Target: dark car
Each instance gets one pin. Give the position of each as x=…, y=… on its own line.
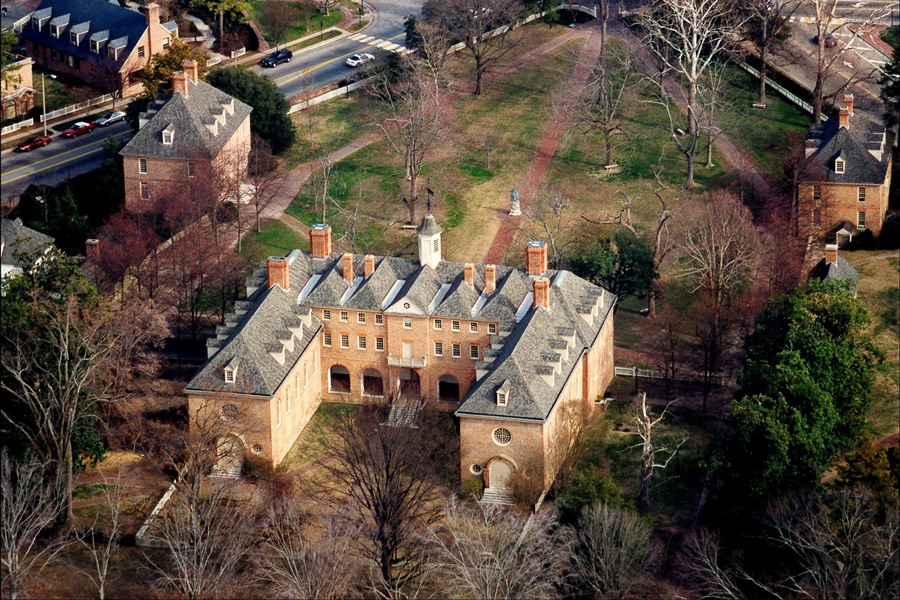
x=830, y=41
x=277, y=57
x=35, y=142
x=78, y=129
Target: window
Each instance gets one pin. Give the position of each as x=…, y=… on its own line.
x=53, y=55
x=438, y=325
x=168, y=137
x=379, y=319
x=145, y=190
x=345, y=341
x=861, y=194
x=297, y=384
x=142, y=166
x=326, y=339
x=473, y=327
x=229, y=374
x=165, y=43
x=437, y=245
x=361, y=342
x=141, y=52
x=839, y=165
x=287, y=408
x=345, y=317
x=379, y=344
x=407, y=323
x=192, y=169
x=438, y=348
x=457, y=350
x=502, y=436
x=361, y=318
x=817, y=217
x=492, y=328
x=454, y=325
x=473, y=352
x=502, y=397
x=73, y=37
x=326, y=315
x=278, y=412
x=95, y=46
x=861, y=220
x=314, y=359
x=229, y=413
x=305, y=375
x=73, y=62
x=54, y=30
x=476, y=469
x=817, y=192
x=256, y=449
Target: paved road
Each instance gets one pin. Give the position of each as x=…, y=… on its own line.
x=60, y=160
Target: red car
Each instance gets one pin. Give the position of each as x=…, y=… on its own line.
x=35, y=142
x=77, y=129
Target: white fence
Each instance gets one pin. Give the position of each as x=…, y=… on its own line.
x=17, y=126
x=65, y=110
x=653, y=374
x=237, y=53
x=141, y=538
x=213, y=61
x=328, y=96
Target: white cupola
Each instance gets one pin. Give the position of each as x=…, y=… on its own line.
x=429, y=242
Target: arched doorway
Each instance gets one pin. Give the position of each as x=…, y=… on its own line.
x=500, y=474
x=338, y=380
x=230, y=457
x=372, y=383
x=448, y=388
x=408, y=384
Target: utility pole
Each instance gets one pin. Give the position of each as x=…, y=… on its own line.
x=43, y=105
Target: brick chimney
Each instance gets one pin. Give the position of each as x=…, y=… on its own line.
x=490, y=279
x=536, y=258
x=368, y=265
x=92, y=249
x=347, y=267
x=179, y=83
x=152, y=14
x=541, y=288
x=848, y=102
x=191, y=68
x=844, y=117
x=469, y=274
x=277, y=271
x=320, y=240
x=831, y=253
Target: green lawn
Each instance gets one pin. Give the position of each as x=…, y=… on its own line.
x=329, y=126
x=299, y=27
x=275, y=239
x=309, y=444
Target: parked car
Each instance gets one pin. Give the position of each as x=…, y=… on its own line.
x=110, y=118
x=35, y=142
x=78, y=129
x=277, y=57
x=830, y=41
x=359, y=59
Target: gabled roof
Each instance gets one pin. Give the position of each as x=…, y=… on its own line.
x=835, y=271
x=189, y=116
x=18, y=243
x=850, y=144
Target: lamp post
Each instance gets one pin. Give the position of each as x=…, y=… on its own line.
x=43, y=105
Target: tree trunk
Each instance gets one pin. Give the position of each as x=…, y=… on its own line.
x=763, y=71
x=651, y=302
x=66, y=515
x=221, y=30
x=479, y=73
x=818, y=97
x=643, y=497
x=607, y=135
x=690, y=169
x=693, y=131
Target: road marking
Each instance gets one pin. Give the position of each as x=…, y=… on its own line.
x=53, y=166
x=367, y=39
x=391, y=46
x=357, y=36
x=61, y=154
x=289, y=78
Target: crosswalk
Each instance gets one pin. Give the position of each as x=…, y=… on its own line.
x=369, y=40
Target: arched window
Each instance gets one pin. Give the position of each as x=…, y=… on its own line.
x=338, y=380
x=448, y=388
x=372, y=383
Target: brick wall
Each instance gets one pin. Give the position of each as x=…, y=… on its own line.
x=477, y=447
x=838, y=203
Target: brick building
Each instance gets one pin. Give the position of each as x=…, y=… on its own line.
x=847, y=177
x=520, y=355
x=98, y=42
x=192, y=135
x=17, y=96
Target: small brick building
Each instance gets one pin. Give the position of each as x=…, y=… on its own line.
x=17, y=96
x=191, y=135
x=98, y=42
x=847, y=177
x=519, y=355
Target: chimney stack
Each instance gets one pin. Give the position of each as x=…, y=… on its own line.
x=277, y=271
x=490, y=279
x=320, y=240
x=844, y=117
x=848, y=102
x=347, y=267
x=191, y=69
x=152, y=14
x=368, y=265
x=831, y=253
x=179, y=83
x=469, y=274
x=536, y=258
x=92, y=249
x=541, y=288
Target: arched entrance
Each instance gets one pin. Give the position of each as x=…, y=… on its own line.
x=230, y=457
x=448, y=388
x=408, y=384
x=500, y=475
x=339, y=380
x=372, y=383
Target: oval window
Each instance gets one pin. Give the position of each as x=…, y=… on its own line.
x=502, y=436
x=476, y=469
x=256, y=449
x=229, y=413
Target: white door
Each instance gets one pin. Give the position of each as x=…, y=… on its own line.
x=407, y=349
x=501, y=475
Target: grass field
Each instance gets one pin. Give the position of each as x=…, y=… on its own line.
x=299, y=27
x=275, y=239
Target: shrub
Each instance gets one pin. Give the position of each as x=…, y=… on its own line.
x=589, y=486
x=473, y=487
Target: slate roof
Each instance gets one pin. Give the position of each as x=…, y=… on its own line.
x=17, y=239
x=836, y=271
x=189, y=116
x=93, y=16
x=851, y=144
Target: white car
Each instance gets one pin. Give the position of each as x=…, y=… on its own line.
x=110, y=118
x=359, y=59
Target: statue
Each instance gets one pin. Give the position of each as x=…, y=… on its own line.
x=514, y=209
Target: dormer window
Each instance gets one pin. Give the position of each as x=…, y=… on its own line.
x=168, y=134
x=230, y=372
x=55, y=30
x=502, y=398
x=73, y=37
x=839, y=165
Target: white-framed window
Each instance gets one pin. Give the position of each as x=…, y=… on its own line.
x=817, y=192
x=476, y=469
x=361, y=318
x=165, y=43
x=438, y=325
x=192, y=169
x=379, y=319
x=229, y=374
x=256, y=449
x=73, y=37
x=438, y=348
x=839, y=165
x=326, y=314
x=305, y=375
x=407, y=323
x=95, y=46
x=145, y=190
x=473, y=352
x=141, y=52
x=502, y=436
x=70, y=60
x=168, y=137
x=473, y=327
x=297, y=384
x=278, y=412
x=345, y=340
x=502, y=397
x=345, y=316
x=142, y=166
x=228, y=413
x=287, y=407
x=379, y=344
x=456, y=349
x=361, y=342
x=454, y=325
x=437, y=245
x=492, y=328
x=861, y=220
x=326, y=339
x=861, y=194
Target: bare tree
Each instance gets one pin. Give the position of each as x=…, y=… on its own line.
x=484, y=26
x=687, y=36
x=327, y=5
x=655, y=455
x=711, y=92
x=612, y=548
x=484, y=551
x=277, y=18
x=768, y=21
x=550, y=219
x=667, y=346
x=703, y=563
x=260, y=176
x=29, y=507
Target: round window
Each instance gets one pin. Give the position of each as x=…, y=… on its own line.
x=476, y=469
x=502, y=436
x=256, y=449
x=229, y=413
x=406, y=305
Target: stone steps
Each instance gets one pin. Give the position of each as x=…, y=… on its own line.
x=220, y=472
x=403, y=414
x=501, y=497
